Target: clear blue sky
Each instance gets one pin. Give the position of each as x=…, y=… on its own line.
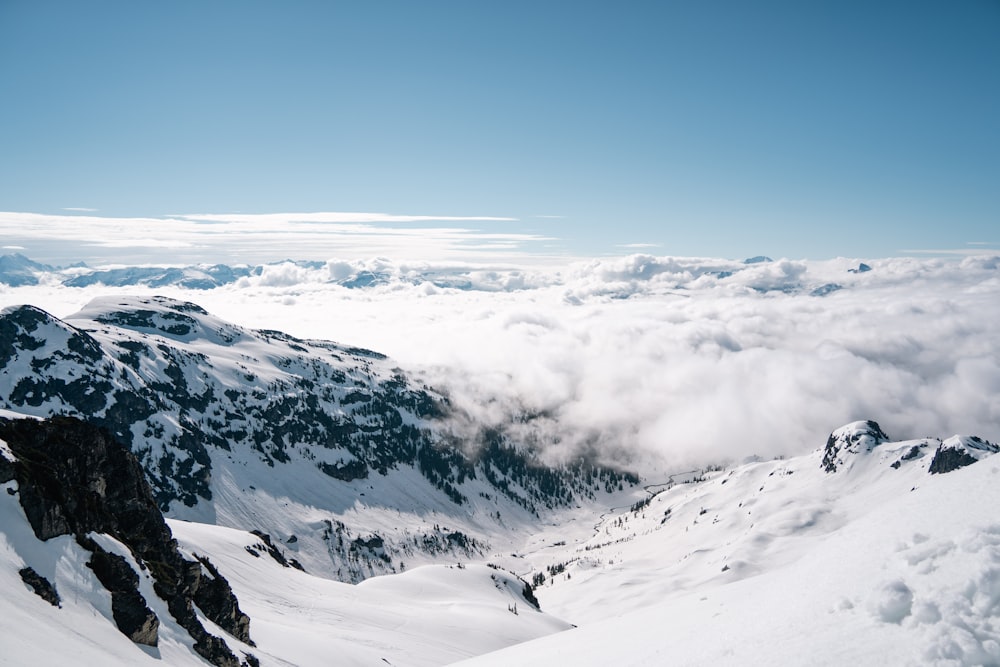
x=798, y=129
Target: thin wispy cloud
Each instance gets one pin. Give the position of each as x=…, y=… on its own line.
x=80, y=209
x=638, y=246
x=241, y=237
x=984, y=248
x=333, y=217
x=140, y=243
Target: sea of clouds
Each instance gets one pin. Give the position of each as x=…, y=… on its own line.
x=685, y=361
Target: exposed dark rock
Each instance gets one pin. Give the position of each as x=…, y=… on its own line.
x=41, y=586
x=268, y=547
x=135, y=620
x=75, y=479
x=216, y=599
x=960, y=451
x=345, y=471
x=856, y=438
x=913, y=453
x=947, y=459
x=6, y=469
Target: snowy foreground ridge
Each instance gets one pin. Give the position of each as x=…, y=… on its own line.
x=856, y=553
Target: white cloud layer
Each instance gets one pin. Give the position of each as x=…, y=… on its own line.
x=694, y=360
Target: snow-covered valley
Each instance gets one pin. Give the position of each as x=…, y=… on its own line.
x=766, y=562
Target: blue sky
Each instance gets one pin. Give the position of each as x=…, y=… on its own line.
x=730, y=129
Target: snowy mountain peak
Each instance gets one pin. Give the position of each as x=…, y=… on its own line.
x=180, y=320
x=848, y=441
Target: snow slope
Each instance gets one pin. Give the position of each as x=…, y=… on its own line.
x=781, y=562
x=855, y=553
x=428, y=616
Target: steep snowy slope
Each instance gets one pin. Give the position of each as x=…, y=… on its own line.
x=89, y=573
x=431, y=615
x=857, y=554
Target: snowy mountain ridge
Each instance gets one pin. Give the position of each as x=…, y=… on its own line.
x=615, y=278
x=776, y=562
x=321, y=445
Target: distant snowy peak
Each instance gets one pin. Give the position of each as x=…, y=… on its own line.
x=17, y=270
x=613, y=277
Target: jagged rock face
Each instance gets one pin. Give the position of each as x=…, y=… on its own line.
x=180, y=387
x=853, y=439
x=133, y=617
x=959, y=451
x=215, y=597
x=74, y=479
x=41, y=586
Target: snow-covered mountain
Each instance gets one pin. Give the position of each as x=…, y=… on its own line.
x=321, y=446
x=866, y=551
x=90, y=572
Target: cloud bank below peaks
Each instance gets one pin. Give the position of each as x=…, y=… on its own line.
x=694, y=360
x=687, y=361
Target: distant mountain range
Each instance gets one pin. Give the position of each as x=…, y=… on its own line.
x=16, y=270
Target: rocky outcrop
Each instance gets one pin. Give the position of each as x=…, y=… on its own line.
x=855, y=438
x=216, y=599
x=959, y=451
x=74, y=479
x=132, y=616
x=40, y=586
